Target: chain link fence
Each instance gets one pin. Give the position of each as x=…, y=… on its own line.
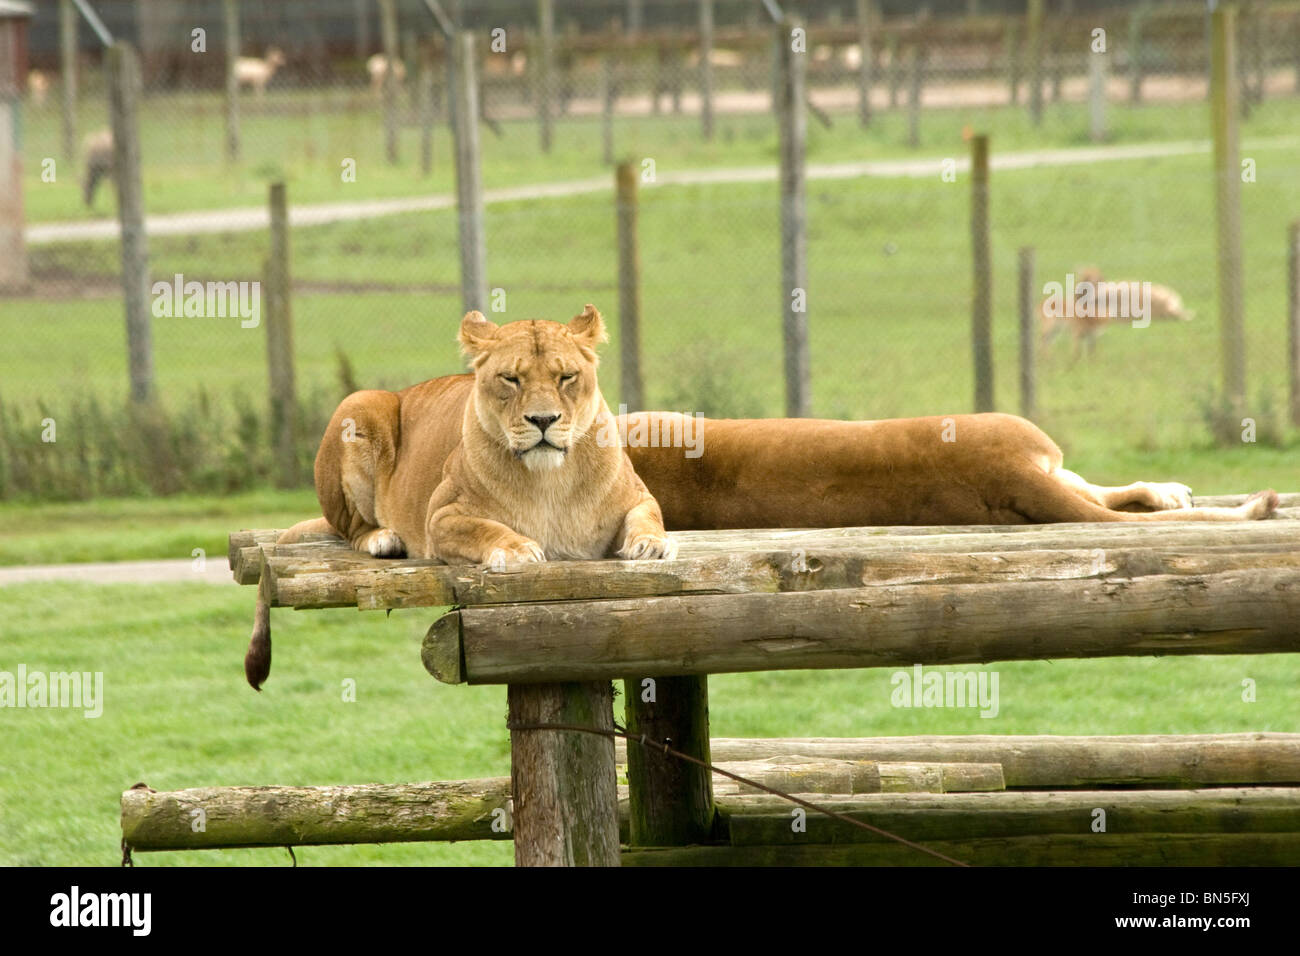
x=1098, y=118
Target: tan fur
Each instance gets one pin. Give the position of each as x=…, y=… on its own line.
x=510, y=464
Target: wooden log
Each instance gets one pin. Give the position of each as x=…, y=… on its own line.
x=1047, y=762
x=885, y=626
x=564, y=785
x=671, y=800
x=1094, y=849
x=798, y=774
x=763, y=820
x=227, y=817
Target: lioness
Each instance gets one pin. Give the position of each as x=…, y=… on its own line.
x=525, y=475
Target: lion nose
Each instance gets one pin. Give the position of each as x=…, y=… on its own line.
x=542, y=422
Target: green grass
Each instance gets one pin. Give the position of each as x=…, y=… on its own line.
x=177, y=713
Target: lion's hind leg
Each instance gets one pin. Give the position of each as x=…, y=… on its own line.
x=1147, y=495
x=353, y=467
x=1075, y=499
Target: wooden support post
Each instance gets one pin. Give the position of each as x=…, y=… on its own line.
x=279, y=342
x=1028, y=333
x=670, y=800
x=1097, y=64
x=124, y=103
x=564, y=783
x=1227, y=173
x=981, y=300
x=914, y=95
x=706, y=69
x=388, y=33
x=629, y=288
x=469, y=181
x=1012, y=42
x=865, y=26
x=14, y=274
x=424, y=107
x=608, y=94
x=1293, y=316
x=1034, y=47
x=1136, y=21
x=68, y=78
x=411, y=63
x=546, y=71
x=792, y=120
x=231, y=10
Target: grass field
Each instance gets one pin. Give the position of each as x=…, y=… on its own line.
x=177, y=713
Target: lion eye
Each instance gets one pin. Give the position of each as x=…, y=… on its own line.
x=568, y=377
x=512, y=379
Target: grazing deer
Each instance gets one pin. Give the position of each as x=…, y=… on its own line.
x=97, y=147
x=255, y=73
x=1089, y=303
x=377, y=67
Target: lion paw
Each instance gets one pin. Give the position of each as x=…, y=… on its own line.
x=1168, y=495
x=648, y=547
x=529, y=552
x=384, y=543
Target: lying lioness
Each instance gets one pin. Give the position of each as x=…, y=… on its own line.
x=386, y=490
x=505, y=465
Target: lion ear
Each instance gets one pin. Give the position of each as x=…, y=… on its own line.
x=588, y=328
x=476, y=334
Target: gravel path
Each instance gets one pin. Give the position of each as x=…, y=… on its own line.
x=121, y=572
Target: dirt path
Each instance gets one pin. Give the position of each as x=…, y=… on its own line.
x=251, y=218
x=121, y=572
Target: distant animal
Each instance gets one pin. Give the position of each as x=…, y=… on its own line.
x=38, y=87
x=1095, y=302
x=97, y=147
x=377, y=67
x=254, y=73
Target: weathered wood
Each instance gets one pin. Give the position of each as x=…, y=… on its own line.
x=671, y=800
x=1093, y=849
x=1236, y=612
x=124, y=108
x=1047, y=762
x=629, y=287
x=865, y=25
x=279, y=342
x=1293, y=312
x=982, y=272
x=68, y=79
x=763, y=820
x=797, y=774
x=227, y=817
x=469, y=175
x=388, y=35
x=1034, y=49
x=546, y=72
x=1098, y=65
x=792, y=126
x=1227, y=175
x=706, y=69
x=565, y=790
x=915, y=84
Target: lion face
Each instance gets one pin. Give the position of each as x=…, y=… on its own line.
x=535, y=383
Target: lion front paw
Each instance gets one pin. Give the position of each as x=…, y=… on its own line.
x=384, y=543
x=648, y=547
x=526, y=552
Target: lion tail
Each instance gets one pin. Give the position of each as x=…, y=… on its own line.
x=257, y=660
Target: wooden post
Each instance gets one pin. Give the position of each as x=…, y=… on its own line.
x=388, y=34
x=1034, y=44
x=895, y=69
x=1227, y=173
x=231, y=10
x=1013, y=60
x=1097, y=64
x=425, y=107
x=564, y=783
x=546, y=71
x=607, y=98
x=629, y=288
x=981, y=302
x=706, y=69
x=279, y=341
x=1028, y=333
x=792, y=121
x=670, y=801
x=1136, y=21
x=68, y=78
x=914, y=95
x=14, y=273
x=864, y=10
x=124, y=101
x=469, y=180
x=1293, y=315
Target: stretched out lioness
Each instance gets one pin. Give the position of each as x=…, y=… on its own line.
x=525, y=473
